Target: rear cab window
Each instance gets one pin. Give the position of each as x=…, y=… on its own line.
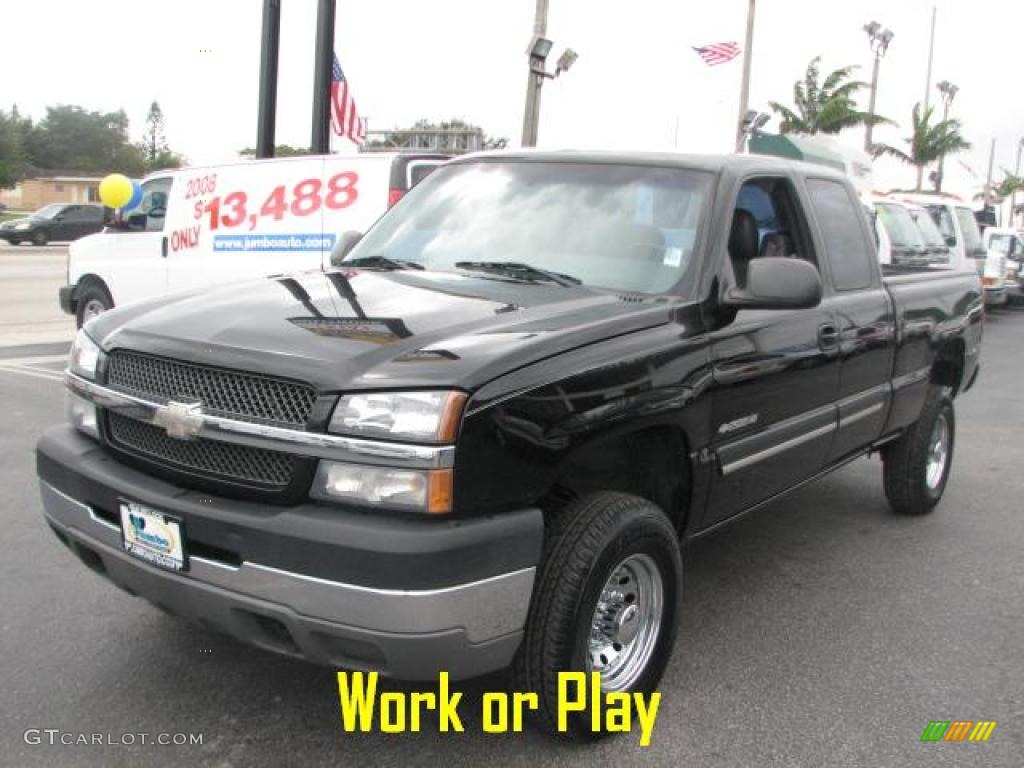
x=972, y=236
x=841, y=224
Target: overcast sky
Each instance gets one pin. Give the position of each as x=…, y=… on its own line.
x=636, y=78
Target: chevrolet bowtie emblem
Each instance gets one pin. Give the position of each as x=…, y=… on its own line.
x=181, y=420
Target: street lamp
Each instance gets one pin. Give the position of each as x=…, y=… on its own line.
x=538, y=52
x=948, y=92
x=878, y=38
x=752, y=123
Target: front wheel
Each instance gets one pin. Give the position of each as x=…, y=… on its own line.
x=916, y=466
x=92, y=302
x=40, y=238
x=606, y=600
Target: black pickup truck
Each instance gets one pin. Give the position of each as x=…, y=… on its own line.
x=479, y=440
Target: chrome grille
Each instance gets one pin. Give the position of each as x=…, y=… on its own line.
x=209, y=457
x=243, y=396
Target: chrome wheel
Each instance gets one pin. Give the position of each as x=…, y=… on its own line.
x=93, y=308
x=938, y=452
x=626, y=623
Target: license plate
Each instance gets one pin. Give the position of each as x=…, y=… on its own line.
x=153, y=536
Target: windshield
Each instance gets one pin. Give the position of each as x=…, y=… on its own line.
x=619, y=227
x=1005, y=244
x=972, y=237
x=903, y=233
x=47, y=211
x=930, y=233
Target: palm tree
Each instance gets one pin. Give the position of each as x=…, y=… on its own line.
x=824, y=107
x=928, y=143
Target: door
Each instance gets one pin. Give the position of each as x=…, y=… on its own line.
x=135, y=266
x=775, y=372
x=864, y=316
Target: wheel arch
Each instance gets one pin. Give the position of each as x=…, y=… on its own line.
x=950, y=361
x=649, y=461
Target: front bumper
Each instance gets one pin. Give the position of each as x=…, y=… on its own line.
x=996, y=297
x=408, y=598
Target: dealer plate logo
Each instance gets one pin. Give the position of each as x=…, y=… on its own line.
x=182, y=421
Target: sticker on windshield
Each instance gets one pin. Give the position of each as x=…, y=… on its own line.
x=673, y=257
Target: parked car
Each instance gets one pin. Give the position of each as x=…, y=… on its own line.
x=1010, y=244
x=198, y=227
x=959, y=226
x=900, y=241
x=59, y=222
x=479, y=440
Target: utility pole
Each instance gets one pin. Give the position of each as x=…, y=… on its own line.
x=270, y=44
x=927, y=88
x=531, y=116
x=748, y=51
x=868, y=143
x=1016, y=175
x=931, y=56
x=320, y=143
x=988, y=177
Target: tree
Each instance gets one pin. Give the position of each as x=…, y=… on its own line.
x=71, y=139
x=824, y=107
x=13, y=156
x=280, y=150
x=928, y=143
x=154, y=146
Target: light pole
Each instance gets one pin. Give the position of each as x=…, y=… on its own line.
x=538, y=52
x=1016, y=175
x=948, y=92
x=878, y=38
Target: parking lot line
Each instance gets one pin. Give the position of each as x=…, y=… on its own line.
x=33, y=366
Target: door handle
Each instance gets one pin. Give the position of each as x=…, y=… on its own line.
x=163, y=247
x=828, y=336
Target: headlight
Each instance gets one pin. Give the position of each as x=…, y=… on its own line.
x=85, y=355
x=427, y=491
x=82, y=414
x=23, y=225
x=421, y=416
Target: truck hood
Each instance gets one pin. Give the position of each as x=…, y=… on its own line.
x=360, y=329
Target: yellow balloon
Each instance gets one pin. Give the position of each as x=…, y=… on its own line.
x=115, y=190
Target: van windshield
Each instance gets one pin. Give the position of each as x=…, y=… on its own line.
x=903, y=233
x=620, y=227
x=930, y=233
x=972, y=236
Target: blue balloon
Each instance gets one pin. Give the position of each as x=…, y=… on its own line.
x=136, y=199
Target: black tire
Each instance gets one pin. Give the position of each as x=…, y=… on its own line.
x=15, y=241
x=40, y=238
x=585, y=543
x=88, y=299
x=906, y=461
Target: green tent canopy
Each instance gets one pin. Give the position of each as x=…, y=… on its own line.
x=795, y=148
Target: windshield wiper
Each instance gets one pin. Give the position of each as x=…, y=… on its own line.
x=381, y=262
x=519, y=270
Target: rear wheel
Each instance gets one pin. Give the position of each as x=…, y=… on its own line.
x=92, y=301
x=916, y=466
x=606, y=600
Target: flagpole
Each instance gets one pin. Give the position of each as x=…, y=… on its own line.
x=748, y=51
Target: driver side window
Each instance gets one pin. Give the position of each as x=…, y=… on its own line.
x=152, y=211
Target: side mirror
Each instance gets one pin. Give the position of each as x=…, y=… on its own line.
x=950, y=241
x=137, y=222
x=346, y=242
x=777, y=283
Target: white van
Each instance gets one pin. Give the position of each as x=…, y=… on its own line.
x=955, y=220
x=1010, y=243
x=199, y=227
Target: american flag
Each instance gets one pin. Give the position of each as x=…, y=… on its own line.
x=717, y=53
x=344, y=117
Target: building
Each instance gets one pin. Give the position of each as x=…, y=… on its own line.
x=36, y=192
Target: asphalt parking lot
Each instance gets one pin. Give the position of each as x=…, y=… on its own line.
x=820, y=631
x=29, y=279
